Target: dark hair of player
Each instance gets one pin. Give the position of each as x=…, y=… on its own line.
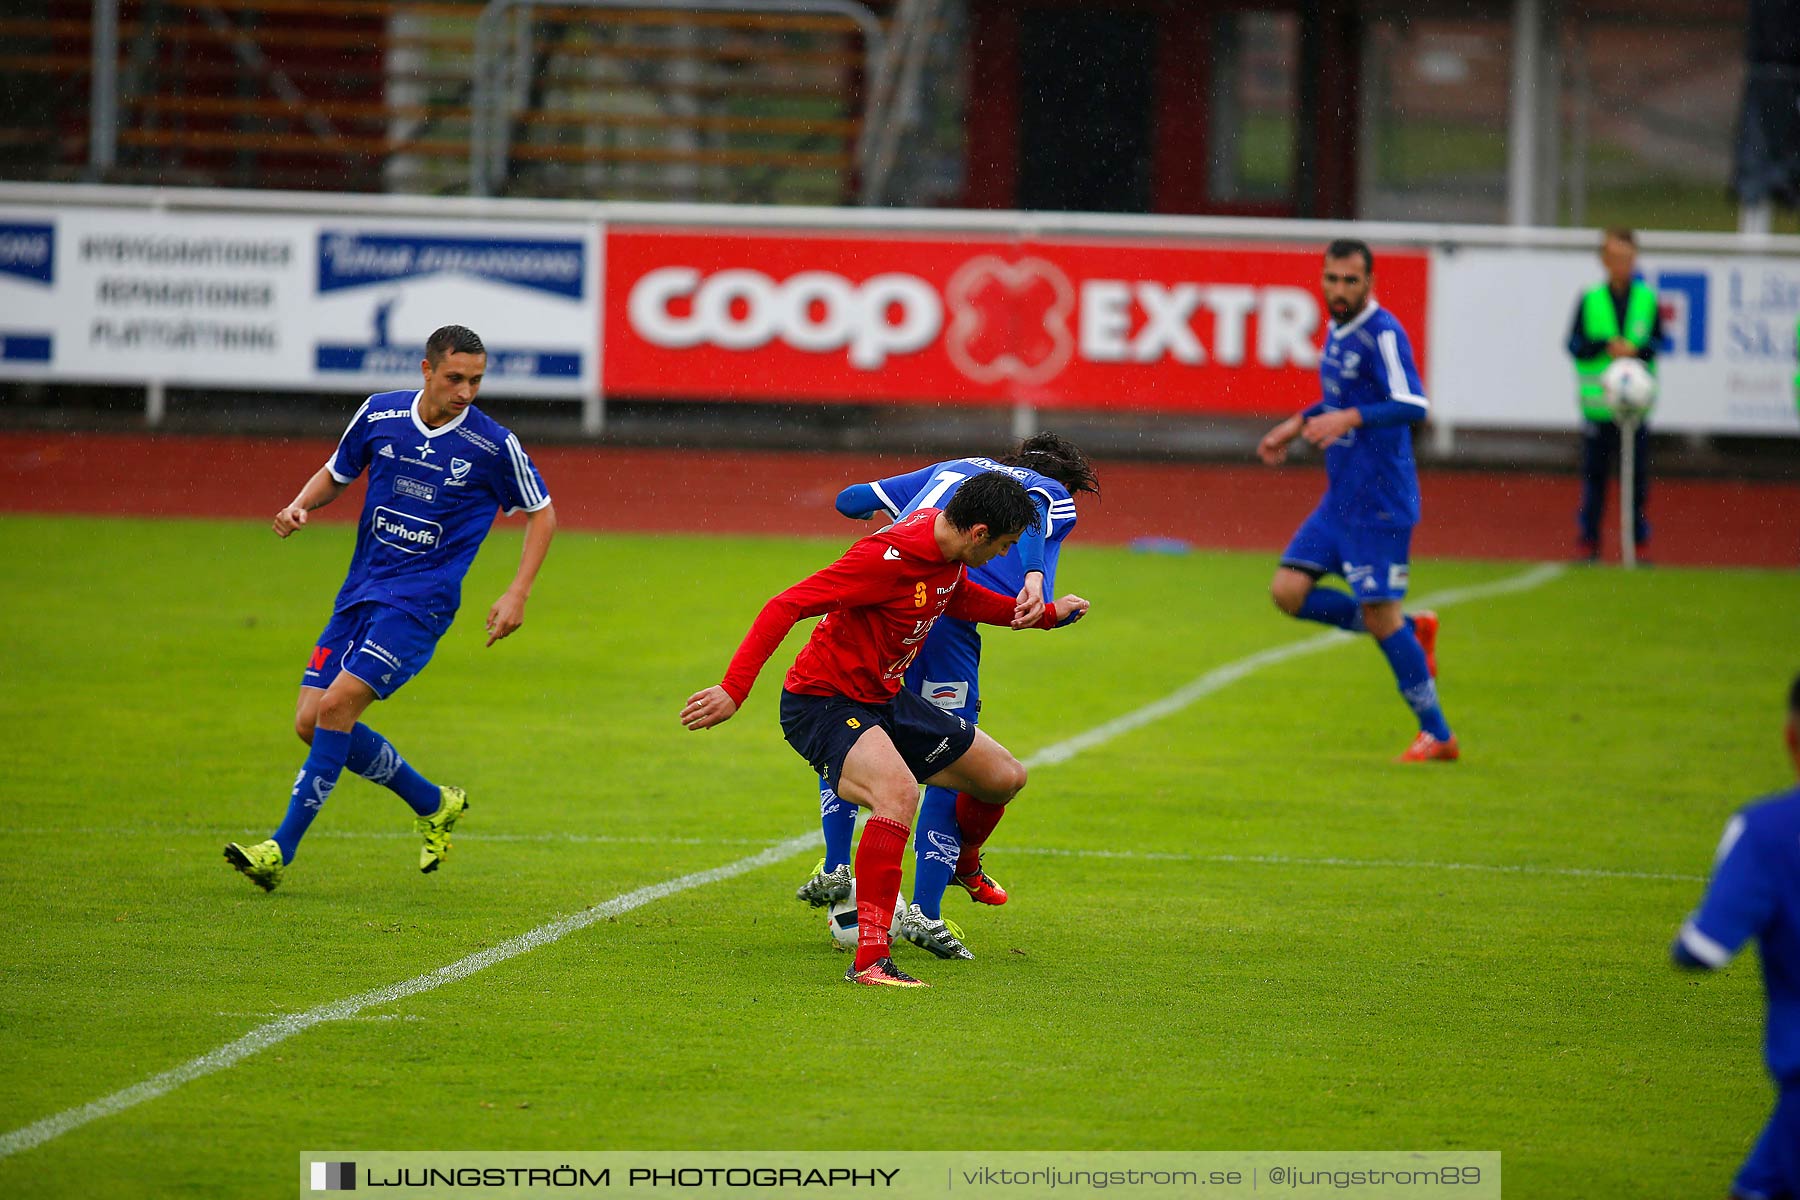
x=452, y=339
x=1618, y=233
x=994, y=499
x=1345, y=247
x=1793, y=693
x=1056, y=456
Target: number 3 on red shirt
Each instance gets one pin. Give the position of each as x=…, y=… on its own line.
x=919, y=596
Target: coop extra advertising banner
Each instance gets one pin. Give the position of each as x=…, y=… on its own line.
x=275, y=302
x=1154, y=325
x=1726, y=363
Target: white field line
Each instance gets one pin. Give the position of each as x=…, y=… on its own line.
x=264, y=1036
x=1223, y=677
x=274, y=1032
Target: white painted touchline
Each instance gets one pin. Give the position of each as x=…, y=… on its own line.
x=264, y=1036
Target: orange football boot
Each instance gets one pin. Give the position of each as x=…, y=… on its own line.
x=1426, y=748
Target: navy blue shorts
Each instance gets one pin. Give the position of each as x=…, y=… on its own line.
x=1373, y=559
x=378, y=644
x=823, y=728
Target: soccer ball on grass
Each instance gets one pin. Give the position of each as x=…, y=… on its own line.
x=840, y=920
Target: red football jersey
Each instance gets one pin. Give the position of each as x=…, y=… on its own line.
x=880, y=600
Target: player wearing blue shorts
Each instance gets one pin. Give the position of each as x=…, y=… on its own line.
x=1362, y=529
x=1755, y=893
x=438, y=468
x=953, y=827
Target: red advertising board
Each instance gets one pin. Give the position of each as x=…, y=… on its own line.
x=1164, y=326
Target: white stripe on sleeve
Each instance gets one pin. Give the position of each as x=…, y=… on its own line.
x=893, y=510
x=1703, y=947
x=522, y=476
x=1397, y=382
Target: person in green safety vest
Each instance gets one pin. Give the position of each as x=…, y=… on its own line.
x=1616, y=319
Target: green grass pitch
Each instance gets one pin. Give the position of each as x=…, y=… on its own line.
x=1237, y=927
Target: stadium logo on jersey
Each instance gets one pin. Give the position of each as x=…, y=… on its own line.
x=418, y=491
x=405, y=532
x=387, y=414
x=1010, y=320
x=459, y=470
x=947, y=695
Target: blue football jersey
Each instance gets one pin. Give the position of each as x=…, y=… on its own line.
x=1755, y=892
x=932, y=487
x=432, y=496
x=1372, y=479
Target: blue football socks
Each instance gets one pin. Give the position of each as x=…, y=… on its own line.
x=375, y=759
x=837, y=817
x=313, y=787
x=1407, y=659
x=1328, y=606
x=936, y=843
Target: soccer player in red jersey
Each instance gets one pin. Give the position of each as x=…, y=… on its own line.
x=843, y=707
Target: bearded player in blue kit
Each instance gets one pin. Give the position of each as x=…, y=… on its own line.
x=1755, y=893
x=953, y=827
x=438, y=468
x=1362, y=528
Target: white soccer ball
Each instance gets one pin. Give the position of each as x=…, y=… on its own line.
x=840, y=920
x=1629, y=385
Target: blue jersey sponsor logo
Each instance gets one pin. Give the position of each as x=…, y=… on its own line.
x=412, y=487
x=403, y=531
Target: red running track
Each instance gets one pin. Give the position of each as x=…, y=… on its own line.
x=1467, y=514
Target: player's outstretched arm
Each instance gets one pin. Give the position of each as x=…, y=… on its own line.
x=1068, y=610
x=508, y=612
x=708, y=707
x=319, y=491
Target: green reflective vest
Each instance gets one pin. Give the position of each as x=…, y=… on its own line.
x=1600, y=323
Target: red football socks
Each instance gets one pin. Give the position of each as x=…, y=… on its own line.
x=976, y=819
x=878, y=860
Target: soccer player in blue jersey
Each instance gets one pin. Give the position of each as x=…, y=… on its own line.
x=438, y=468
x=1362, y=528
x=952, y=826
x=1755, y=893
